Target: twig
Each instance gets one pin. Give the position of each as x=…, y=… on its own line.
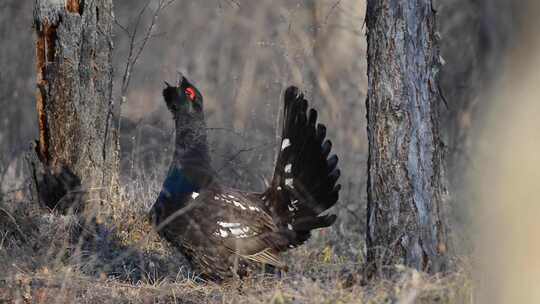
x=15, y=223
x=229, y=130
x=130, y=61
x=331, y=11
x=137, y=47
x=237, y=154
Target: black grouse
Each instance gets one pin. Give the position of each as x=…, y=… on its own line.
x=226, y=232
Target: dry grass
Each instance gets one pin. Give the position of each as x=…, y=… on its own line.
x=51, y=258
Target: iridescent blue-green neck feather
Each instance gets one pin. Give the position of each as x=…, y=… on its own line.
x=190, y=169
x=177, y=187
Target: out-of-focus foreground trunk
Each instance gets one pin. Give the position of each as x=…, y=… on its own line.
x=508, y=176
x=77, y=145
x=476, y=35
x=405, y=167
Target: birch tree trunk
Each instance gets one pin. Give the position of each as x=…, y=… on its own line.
x=77, y=145
x=405, y=166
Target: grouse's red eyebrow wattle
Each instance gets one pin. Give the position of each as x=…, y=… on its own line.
x=190, y=93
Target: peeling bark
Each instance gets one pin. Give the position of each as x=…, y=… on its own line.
x=405, y=166
x=74, y=96
x=73, y=6
x=45, y=48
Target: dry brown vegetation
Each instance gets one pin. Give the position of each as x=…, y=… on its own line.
x=52, y=258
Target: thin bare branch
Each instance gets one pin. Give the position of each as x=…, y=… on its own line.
x=240, y=151
x=137, y=47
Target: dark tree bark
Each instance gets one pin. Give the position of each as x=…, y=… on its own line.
x=77, y=146
x=405, y=166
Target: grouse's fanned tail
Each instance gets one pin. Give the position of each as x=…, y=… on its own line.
x=304, y=182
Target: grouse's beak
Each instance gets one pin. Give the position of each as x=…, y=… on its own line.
x=167, y=84
x=180, y=78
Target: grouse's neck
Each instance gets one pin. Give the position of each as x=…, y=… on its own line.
x=190, y=169
x=191, y=156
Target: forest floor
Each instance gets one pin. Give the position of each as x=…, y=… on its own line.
x=51, y=258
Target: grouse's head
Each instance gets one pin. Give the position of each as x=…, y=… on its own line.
x=183, y=98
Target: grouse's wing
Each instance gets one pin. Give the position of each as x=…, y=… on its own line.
x=258, y=248
x=244, y=226
x=304, y=181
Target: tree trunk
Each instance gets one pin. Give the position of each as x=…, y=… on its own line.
x=405, y=166
x=77, y=145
